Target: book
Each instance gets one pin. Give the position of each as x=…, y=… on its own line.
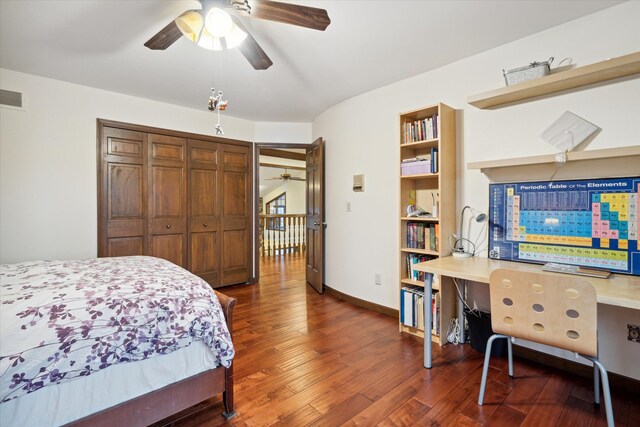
x=427, y=236
x=432, y=237
x=407, y=307
x=435, y=313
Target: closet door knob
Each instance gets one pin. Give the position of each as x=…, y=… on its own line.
x=168, y=225
x=205, y=224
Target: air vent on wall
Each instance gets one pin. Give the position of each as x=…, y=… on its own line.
x=11, y=99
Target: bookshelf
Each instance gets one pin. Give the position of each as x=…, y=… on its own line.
x=424, y=134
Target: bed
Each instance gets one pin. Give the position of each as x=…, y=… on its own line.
x=110, y=341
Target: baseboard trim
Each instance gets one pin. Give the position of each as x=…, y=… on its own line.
x=617, y=381
x=362, y=303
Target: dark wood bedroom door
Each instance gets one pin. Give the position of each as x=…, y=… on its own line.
x=167, y=198
x=315, y=215
x=204, y=211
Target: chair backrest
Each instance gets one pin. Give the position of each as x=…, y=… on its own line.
x=553, y=309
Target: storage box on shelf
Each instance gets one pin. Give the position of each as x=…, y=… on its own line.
x=427, y=179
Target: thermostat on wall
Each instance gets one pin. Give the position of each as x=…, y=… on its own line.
x=358, y=182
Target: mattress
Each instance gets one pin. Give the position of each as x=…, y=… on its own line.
x=73, y=400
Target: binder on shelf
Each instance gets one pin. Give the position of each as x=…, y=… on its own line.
x=412, y=308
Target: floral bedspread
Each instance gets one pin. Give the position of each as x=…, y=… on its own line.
x=61, y=320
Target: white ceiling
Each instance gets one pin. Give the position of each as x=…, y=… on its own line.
x=369, y=44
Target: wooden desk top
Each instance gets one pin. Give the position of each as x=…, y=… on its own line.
x=619, y=289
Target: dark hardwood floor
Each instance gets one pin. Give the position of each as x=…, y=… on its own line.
x=309, y=359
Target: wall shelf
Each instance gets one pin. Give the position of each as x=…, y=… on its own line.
x=611, y=69
x=572, y=156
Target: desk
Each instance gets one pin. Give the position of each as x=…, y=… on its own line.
x=618, y=290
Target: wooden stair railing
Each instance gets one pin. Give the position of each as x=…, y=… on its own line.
x=282, y=234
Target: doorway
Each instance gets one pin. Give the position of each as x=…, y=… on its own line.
x=288, y=215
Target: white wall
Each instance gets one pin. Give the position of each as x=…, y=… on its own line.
x=362, y=137
x=292, y=133
x=48, y=196
x=296, y=192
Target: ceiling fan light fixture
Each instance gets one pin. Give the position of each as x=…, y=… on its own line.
x=209, y=41
x=218, y=22
x=235, y=37
x=190, y=24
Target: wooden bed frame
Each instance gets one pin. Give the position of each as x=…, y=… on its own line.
x=160, y=404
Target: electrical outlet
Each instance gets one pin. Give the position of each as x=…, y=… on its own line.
x=377, y=279
x=634, y=333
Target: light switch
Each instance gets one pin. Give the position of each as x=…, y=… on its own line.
x=358, y=183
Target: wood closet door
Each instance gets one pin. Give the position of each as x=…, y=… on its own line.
x=167, y=198
x=204, y=211
x=122, y=207
x=235, y=218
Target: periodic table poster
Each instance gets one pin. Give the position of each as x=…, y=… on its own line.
x=590, y=223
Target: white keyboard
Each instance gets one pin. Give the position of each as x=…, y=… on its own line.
x=575, y=269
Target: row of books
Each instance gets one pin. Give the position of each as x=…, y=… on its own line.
x=423, y=236
x=412, y=260
x=412, y=308
x=429, y=161
x=420, y=130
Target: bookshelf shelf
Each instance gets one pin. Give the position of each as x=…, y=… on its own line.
x=423, y=190
x=603, y=71
x=418, y=332
x=420, y=144
x=420, y=176
x=416, y=283
x=420, y=251
x=419, y=218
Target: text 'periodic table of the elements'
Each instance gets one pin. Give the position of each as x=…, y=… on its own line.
x=591, y=223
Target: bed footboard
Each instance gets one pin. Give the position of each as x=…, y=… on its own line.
x=228, y=304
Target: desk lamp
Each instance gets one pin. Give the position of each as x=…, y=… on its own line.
x=458, y=248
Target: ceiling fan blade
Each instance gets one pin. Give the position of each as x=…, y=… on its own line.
x=302, y=16
x=252, y=50
x=166, y=36
x=293, y=178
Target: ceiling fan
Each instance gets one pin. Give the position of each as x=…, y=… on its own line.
x=286, y=177
x=207, y=25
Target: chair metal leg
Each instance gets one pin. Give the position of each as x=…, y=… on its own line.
x=510, y=355
x=607, y=392
x=596, y=384
x=485, y=368
x=601, y=372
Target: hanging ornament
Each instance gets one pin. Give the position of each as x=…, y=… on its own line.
x=217, y=104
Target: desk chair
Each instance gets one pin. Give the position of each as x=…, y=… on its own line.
x=560, y=311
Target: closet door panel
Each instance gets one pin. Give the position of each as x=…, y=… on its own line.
x=167, y=198
x=204, y=255
x=169, y=247
x=204, y=211
x=126, y=246
x=236, y=214
x=234, y=257
x=122, y=209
